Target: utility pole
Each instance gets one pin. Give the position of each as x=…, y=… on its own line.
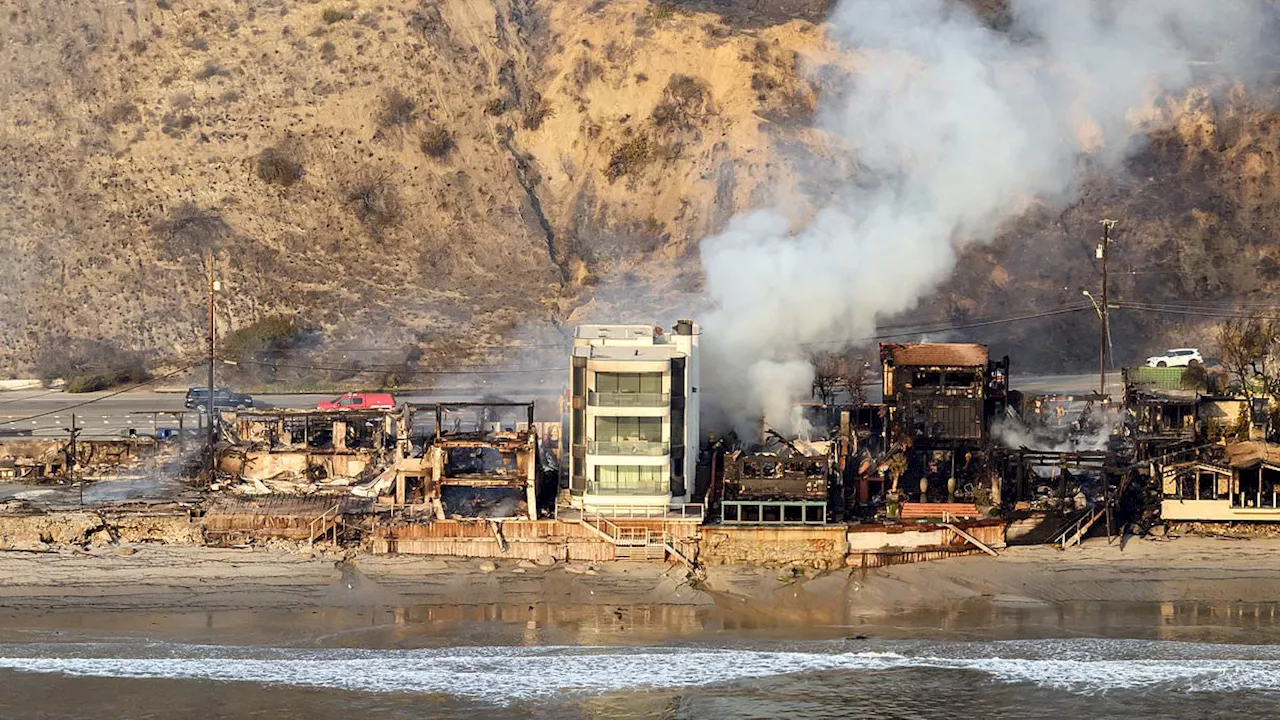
x=213, y=285
x=1102, y=253
x=71, y=458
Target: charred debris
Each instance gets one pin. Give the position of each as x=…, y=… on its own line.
x=949, y=439
x=946, y=444
x=437, y=461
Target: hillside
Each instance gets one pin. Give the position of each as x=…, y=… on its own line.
x=449, y=174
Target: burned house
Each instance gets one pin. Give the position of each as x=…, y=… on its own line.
x=44, y=460
x=1161, y=409
x=266, y=451
x=1242, y=487
x=477, y=465
x=790, y=482
x=941, y=398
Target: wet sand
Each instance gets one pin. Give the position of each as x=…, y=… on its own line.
x=152, y=582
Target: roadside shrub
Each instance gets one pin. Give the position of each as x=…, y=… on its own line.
x=87, y=383
x=436, y=142
x=88, y=365
x=496, y=106
x=264, y=339
x=278, y=167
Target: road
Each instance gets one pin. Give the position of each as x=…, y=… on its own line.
x=103, y=416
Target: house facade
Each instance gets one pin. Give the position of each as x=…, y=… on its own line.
x=1244, y=489
x=633, y=417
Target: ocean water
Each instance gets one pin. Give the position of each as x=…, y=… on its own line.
x=1077, y=677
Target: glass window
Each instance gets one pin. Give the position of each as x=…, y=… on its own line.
x=607, y=382
x=630, y=480
x=619, y=429
x=629, y=382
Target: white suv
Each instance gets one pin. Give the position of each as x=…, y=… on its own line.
x=1177, y=357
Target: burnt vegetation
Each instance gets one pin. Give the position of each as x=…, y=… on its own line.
x=375, y=203
x=686, y=101
x=190, y=231
x=278, y=166
x=629, y=157
x=335, y=15
x=261, y=346
x=397, y=110
x=436, y=142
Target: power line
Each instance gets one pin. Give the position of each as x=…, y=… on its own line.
x=1173, y=310
x=925, y=329
x=24, y=399
x=995, y=321
x=362, y=367
x=496, y=371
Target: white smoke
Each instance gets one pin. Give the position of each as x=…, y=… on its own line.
x=956, y=128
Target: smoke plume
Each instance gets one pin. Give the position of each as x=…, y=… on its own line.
x=955, y=128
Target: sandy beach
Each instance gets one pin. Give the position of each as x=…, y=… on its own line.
x=154, y=577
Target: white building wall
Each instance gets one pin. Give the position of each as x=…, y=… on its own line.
x=653, y=354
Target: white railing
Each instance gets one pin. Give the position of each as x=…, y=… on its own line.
x=628, y=447
x=683, y=511
x=628, y=400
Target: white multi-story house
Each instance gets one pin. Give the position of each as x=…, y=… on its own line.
x=633, y=419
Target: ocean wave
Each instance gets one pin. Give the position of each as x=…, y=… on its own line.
x=508, y=674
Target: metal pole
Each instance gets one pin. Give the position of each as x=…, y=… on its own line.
x=71, y=465
x=210, y=343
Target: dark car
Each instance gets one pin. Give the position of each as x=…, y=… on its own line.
x=223, y=398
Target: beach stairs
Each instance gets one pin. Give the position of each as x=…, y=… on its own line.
x=631, y=542
x=1075, y=532
x=326, y=525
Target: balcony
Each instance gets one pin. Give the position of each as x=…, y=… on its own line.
x=629, y=447
x=628, y=399
x=641, y=487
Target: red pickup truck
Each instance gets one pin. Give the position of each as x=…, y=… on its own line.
x=359, y=401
